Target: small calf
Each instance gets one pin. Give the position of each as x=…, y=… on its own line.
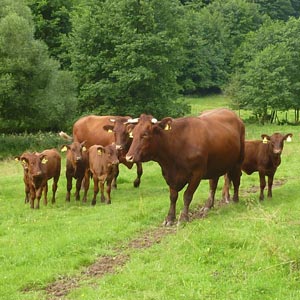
x=42, y=167
x=77, y=168
x=262, y=156
x=103, y=165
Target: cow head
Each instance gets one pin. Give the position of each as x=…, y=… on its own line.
x=110, y=153
x=121, y=130
x=146, y=127
x=23, y=159
x=276, y=141
x=75, y=152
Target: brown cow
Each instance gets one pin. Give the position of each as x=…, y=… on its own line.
x=123, y=141
x=77, y=168
x=42, y=167
x=103, y=165
x=190, y=149
x=98, y=130
x=262, y=156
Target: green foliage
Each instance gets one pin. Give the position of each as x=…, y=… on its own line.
x=15, y=144
x=279, y=9
x=214, y=32
x=52, y=24
x=126, y=56
x=267, y=65
x=32, y=89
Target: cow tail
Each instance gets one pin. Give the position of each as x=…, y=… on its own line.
x=242, y=144
x=65, y=136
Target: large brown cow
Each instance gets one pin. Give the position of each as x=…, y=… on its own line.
x=76, y=167
x=103, y=165
x=42, y=167
x=190, y=149
x=104, y=130
x=262, y=156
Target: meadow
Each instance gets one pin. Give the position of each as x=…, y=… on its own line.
x=248, y=250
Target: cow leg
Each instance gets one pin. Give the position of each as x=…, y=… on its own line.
x=54, y=189
x=225, y=190
x=78, y=187
x=86, y=185
x=38, y=197
x=108, y=190
x=102, y=191
x=188, y=197
x=262, y=180
x=235, y=177
x=27, y=193
x=96, y=189
x=213, y=183
x=32, y=197
x=270, y=184
x=139, y=171
x=69, y=187
x=45, y=189
x=172, y=210
x=114, y=181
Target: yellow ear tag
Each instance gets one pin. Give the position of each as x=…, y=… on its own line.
x=168, y=127
x=64, y=149
x=84, y=149
x=23, y=162
x=109, y=130
x=44, y=161
x=289, y=139
x=99, y=152
x=131, y=135
x=16, y=159
x=265, y=140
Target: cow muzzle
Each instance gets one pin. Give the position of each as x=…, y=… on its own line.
x=129, y=158
x=277, y=151
x=119, y=147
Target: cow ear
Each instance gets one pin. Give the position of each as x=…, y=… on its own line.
x=265, y=138
x=166, y=123
x=100, y=150
x=43, y=159
x=129, y=129
x=17, y=158
x=64, y=148
x=288, y=137
x=108, y=128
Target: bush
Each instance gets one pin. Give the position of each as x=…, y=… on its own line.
x=15, y=144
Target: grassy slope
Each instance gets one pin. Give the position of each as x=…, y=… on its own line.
x=243, y=251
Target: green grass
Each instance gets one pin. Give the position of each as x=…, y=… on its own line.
x=248, y=250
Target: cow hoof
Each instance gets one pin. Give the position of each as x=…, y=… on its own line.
x=94, y=202
x=167, y=223
x=136, y=183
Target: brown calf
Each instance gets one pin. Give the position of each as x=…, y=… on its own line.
x=103, y=165
x=77, y=168
x=42, y=167
x=262, y=156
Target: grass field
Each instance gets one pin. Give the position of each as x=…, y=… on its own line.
x=248, y=250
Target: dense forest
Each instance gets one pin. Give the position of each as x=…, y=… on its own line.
x=60, y=59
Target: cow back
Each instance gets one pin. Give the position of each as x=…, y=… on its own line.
x=90, y=130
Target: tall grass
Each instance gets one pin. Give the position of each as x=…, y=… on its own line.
x=248, y=250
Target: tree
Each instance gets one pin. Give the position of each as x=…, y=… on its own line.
x=30, y=82
x=52, y=24
x=267, y=69
x=126, y=56
x=214, y=32
x=279, y=9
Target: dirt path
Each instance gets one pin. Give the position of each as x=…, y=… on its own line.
x=111, y=264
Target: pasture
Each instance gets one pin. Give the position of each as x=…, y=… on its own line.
x=248, y=250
